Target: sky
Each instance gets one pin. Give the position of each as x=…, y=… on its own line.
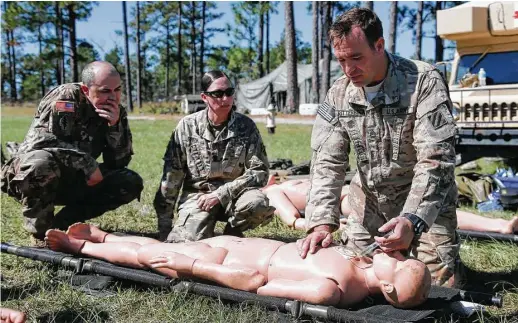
x=106, y=18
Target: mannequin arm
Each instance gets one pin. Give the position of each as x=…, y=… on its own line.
x=231, y=276
x=316, y=291
x=241, y=278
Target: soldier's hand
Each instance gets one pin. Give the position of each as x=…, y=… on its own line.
x=95, y=178
x=109, y=112
x=208, y=201
x=321, y=234
x=400, y=239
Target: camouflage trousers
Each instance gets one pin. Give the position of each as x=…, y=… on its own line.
x=246, y=212
x=39, y=182
x=438, y=248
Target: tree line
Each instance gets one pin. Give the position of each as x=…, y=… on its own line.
x=173, y=45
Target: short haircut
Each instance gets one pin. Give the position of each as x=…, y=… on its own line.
x=89, y=71
x=364, y=18
x=210, y=77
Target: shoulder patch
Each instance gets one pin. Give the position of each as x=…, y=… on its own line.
x=437, y=119
x=65, y=106
x=327, y=112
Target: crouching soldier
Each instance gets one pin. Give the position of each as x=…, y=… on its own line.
x=56, y=163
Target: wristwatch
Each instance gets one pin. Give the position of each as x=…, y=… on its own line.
x=419, y=225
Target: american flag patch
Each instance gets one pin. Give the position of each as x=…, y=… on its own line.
x=65, y=106
x=327, y=112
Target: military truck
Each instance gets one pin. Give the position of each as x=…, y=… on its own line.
x=486, y=35
x=190, y=103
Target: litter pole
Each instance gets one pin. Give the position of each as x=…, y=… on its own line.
x=488, y=236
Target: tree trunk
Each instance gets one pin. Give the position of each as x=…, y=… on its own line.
x=326, y=66
x=393, y=27
x=126, y=56
x=179, y=51
x=292, y=96
x=9, y=60
x=368, y=4
x=419, y=30
x=321, y=8
x=14, y=91
x=42, y=75
x=202, y=38
x=62, y=47
x=439, y=45
x=12, y=70
x=314, y=57
x=73, y=45
x=193, y=45
x=260, y=39
x=268, y=41
x=139, y=61
x=59, y=44
x=167, y=60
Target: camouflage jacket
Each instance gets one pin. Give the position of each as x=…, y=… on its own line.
x=404, y=145
x=67, y=126
x=229, y=164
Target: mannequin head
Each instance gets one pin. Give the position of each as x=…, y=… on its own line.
x=404, y=282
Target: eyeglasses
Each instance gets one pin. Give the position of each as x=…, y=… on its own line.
x=219, y=93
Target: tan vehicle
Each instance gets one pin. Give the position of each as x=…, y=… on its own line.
x=485, y=104
x=190, y=103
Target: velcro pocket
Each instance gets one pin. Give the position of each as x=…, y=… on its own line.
x=321, y=131
x=433, y=102
x=62, y=124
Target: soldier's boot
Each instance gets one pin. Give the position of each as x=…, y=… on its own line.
x=36, y=242
x=460, y=276
x=37, y=226
x=230, y=231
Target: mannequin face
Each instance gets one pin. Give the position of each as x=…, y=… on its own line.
x=385, y=265
x=404, y=282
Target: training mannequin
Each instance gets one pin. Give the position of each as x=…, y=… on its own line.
x=332, y=276
x=290, y=196
x=8, y=315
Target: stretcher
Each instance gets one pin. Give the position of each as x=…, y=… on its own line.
x=442, y=301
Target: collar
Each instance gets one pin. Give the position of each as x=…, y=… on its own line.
x=388, y=94
x=228, y=132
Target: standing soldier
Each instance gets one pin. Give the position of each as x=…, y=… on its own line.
x=56, y=164
x=217, y=157
x=396, y=113
x=270, y=117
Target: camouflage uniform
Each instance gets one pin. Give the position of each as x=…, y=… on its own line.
x=230, y=161
x=58, y=156
x=405, y=155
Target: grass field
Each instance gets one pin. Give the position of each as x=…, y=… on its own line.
x=46, y=296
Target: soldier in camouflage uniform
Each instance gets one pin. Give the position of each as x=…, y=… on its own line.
x=218, y=156
x=56, y=164
x=396, y=113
